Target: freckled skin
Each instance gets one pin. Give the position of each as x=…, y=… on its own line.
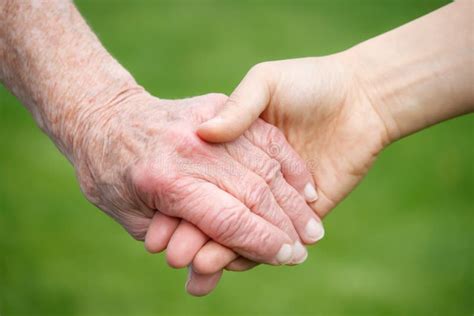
x=134, y=153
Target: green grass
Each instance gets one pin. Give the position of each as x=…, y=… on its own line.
x=402, y=243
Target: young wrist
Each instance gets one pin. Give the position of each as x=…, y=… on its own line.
x=377, y=85
x=420, y=73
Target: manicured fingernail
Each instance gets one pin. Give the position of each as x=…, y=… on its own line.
x=285, y=254
x=310, y=193
x=299, y=253
x=314, y=230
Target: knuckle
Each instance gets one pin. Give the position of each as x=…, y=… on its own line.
x=270, y=170
x=184, y=142
x=89, y=189
x=182, y=197
x=269, y=137
x=144, y=177
x=261, y=201
x=149, y=182
x=296, y=168
x=258, y=194
x=189, y=147
x=278, y=148
x=227, y=224
x=163, y=187
x=261, y=69
x=135, y=225
x=275, y=135
x=232, y=103
x=296, y=206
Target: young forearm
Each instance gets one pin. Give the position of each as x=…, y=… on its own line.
x=421, y=73
x=51, y=60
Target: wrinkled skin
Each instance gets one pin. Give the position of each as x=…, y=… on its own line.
x=143, y=155
x=322, y=107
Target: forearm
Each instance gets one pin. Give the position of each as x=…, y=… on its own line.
x=56, y=66
x=421, y=73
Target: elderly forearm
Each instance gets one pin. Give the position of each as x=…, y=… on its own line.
x=423, y=72
x=51, y=60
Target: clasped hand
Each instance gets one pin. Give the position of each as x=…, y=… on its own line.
x=249, y=199
x=247, y=195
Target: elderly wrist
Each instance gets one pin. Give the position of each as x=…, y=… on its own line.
x=101, y=150
x=89, y=119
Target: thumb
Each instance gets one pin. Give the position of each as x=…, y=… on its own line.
x=243, y=107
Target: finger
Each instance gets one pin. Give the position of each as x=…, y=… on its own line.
x=244, y=105
x=212, y=257
x=236, y=179
x=201, y=284
x=305, y=221
x=184, y=244
x=226, y=220
x=295, y=170
x=241, y=264
x=159, y=232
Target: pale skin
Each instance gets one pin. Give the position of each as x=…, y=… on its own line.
x=135, y=154
x=342, y=110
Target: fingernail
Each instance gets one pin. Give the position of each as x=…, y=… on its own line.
x=310, y=193
x=299, y=253
x=314, y=230
x=285, y=254
x=190, y=271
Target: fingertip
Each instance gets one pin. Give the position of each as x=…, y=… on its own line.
x=217, y=130
x=154, y=246
x=159, y=232
x=201, y=284
x=314, y=231
x=285, y=254
x=208, y=131
x=299, y=253
x=212, y=258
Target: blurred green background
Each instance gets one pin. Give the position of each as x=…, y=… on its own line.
x=402, y=243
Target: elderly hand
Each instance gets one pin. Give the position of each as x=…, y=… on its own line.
x=143, y=154
x=134, y=153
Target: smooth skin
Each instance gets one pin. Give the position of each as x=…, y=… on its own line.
x=340, y=111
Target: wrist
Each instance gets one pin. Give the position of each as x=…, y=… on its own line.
x=99, y=143
x=90, y=120
x=421, y=73
x=381, y=86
